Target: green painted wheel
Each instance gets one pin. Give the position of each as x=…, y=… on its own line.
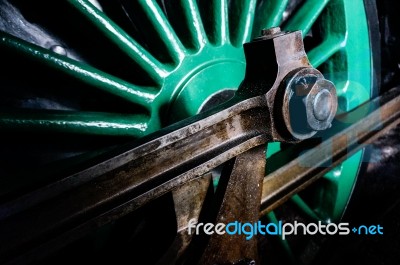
x=122, y=69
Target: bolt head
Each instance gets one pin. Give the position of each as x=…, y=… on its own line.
x=309, y=103
x=270, y=31
x=321, y=105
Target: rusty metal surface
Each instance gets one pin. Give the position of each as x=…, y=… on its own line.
x=281, y=53
x=188, y=202
x=241, y=203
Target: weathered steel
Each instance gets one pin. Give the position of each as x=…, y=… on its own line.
x=241, y=203
x=188, y=202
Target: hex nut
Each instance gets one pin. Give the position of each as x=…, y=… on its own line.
x=309, y=102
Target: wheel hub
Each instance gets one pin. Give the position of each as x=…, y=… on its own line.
x=202, y=87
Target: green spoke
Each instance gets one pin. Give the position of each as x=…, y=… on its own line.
x=164, y=29
x=298, y=201
x=340, y=187
x=268, y=14
x=143, y=58
x=306, y=16
x=194, y=22
x=241, y=20
x=284, y=243
x=326, y=49
x=220, y=22
x=91, y=123
x=90, y=75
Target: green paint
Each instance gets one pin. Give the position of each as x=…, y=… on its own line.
x=305, y=17
x=92, y=123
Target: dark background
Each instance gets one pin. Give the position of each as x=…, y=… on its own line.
x=375, y=200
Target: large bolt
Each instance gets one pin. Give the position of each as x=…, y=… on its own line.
x=321, y=105
x=309, y=103
x=270, y=33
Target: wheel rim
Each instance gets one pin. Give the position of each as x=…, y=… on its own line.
x=345, y=57
x=188, y=52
